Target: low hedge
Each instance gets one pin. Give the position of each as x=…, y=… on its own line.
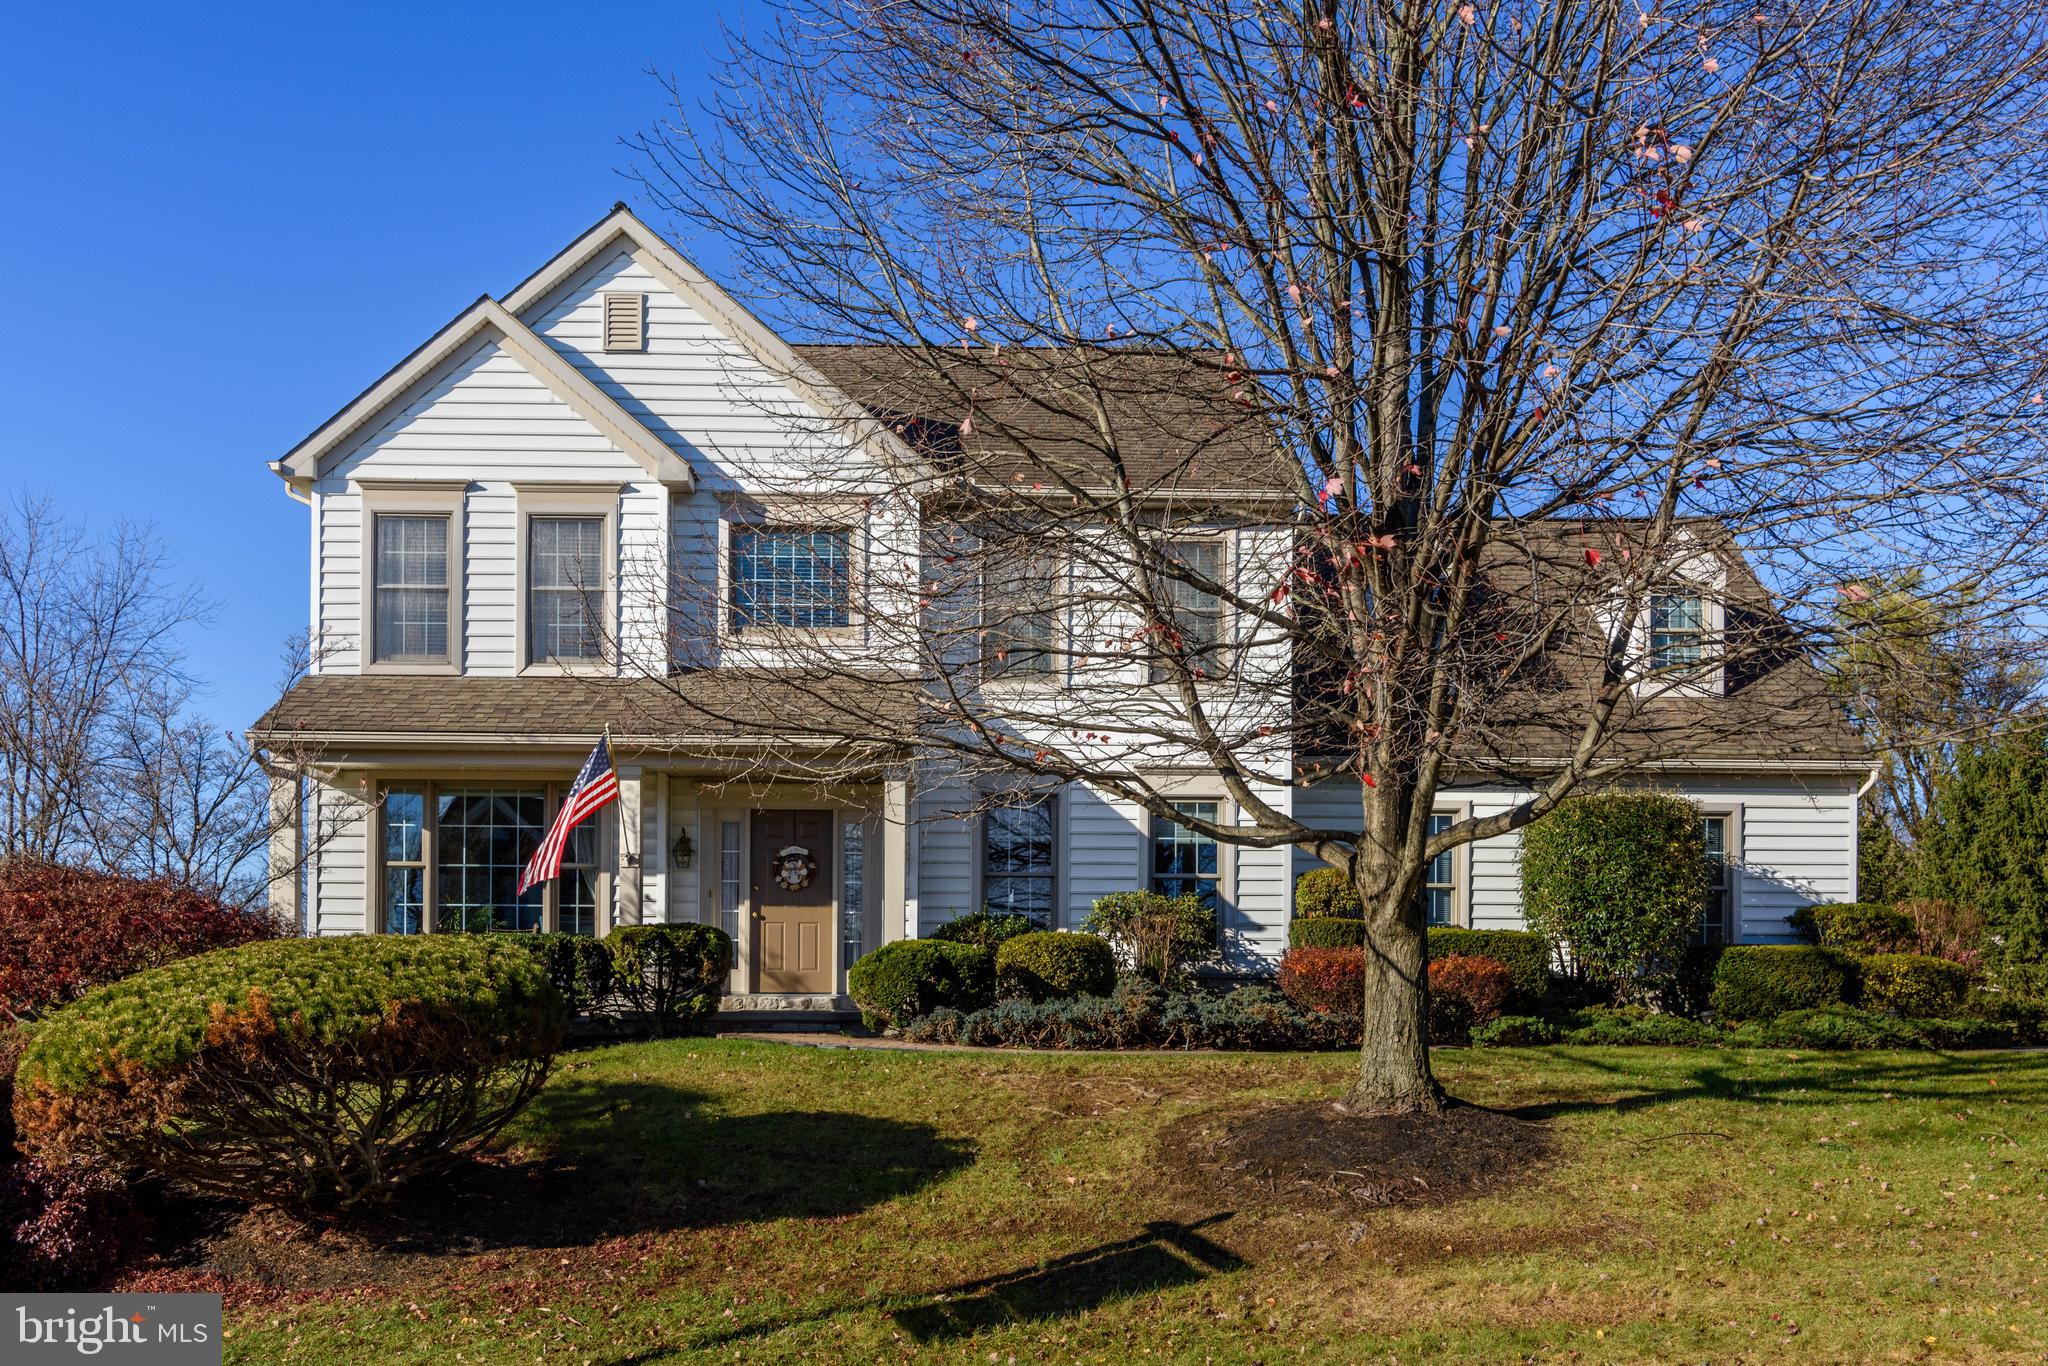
x=303, y=1072
x=1050, y=965
x=1824, y=1028
x=899, y=982
x=1857, y=927
x=1526, y=954
x=1759, y=981
x=1141, y=1014
x=985, y=929
x=672, y=976
x=1911, y=984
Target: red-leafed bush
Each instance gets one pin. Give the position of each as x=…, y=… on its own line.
x=67, y=1227
x=64, y=931
x=1329, y=980
x=12, y=1041
x=1465, y=991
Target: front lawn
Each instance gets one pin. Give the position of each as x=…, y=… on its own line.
x=722, y=1201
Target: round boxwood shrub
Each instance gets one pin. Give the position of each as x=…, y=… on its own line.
x=1052, y=965
x=899, y=982
x=1619, y=878
x=306, y=1072
x=1858, y=927
x=1326, y=892
x=985, y=929
x=1912, y=984
x=671, y=976
x=1759, y=981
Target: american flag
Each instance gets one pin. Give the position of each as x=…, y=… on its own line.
x=596, y=786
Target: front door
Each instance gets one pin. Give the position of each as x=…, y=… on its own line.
x=792, y=895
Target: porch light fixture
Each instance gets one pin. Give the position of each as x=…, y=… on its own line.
x=683, y=851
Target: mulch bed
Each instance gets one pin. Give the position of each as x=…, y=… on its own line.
x=1319, y=1158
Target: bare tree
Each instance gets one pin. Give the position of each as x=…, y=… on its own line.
x=1525, y=311
x=91, y=640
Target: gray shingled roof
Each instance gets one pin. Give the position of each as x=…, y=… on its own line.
x=1170, y=419
x=712, y=707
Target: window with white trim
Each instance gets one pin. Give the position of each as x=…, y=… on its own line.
x=410, y=563
x=1717, y=915
x=1020, y=614
x=791, y=576
x=564, y=588
x=730, y=835
x=1678, y=624
x=1194, y=618
x=405, y=861
x=1440, y=878
x=1018, y=842
x=1184, y=860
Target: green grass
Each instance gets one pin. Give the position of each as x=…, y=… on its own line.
x=776, y=1203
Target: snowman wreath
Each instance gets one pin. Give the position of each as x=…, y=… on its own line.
x=794, y=868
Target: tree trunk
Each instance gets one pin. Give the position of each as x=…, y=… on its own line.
x=1393, y=1062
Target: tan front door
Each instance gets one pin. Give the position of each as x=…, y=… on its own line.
x=792, y=894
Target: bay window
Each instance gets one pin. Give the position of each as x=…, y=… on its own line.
x=450, y=858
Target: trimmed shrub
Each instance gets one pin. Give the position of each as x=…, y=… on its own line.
x=1156, y=937
x=1140, y=1014
x=671, y=976
x=306, y=1073
x=1329, y=980
x=1322, y=892
x=1048, y=965
x=1525, y=954
x=1619, y=878
x=1326, y=932
x=1515, y=1031
x=64, y=931
x=899, y=982
x=1759, y=981
x=68, y=1228
x=1912, y=984
x=580, y=967
x=985, y=929
x=1465, y=990
x=1857, y=927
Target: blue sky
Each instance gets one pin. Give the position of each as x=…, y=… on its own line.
x=224, y=222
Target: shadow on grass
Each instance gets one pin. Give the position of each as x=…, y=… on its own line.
x=1798, y=1077
x=625, y=1158
x=1163, y=1255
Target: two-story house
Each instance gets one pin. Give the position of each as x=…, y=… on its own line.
x=485, y=519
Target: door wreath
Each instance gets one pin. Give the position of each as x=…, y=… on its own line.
x=795, y=868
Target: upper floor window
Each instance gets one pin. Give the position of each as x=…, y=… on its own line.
x=787, y=576
x=1678, y=624
x=1020, y=614
x=1193, y=616
x=565, y=588
x=411, y=568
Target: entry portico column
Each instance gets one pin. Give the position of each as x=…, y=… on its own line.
x=899, y=891
x=632, y=858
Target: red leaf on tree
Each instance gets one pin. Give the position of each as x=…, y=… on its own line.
x=1593, y=558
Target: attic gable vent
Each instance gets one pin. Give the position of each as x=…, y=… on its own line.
x=625, y=322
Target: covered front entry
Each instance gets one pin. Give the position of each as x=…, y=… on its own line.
x=791, y=886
